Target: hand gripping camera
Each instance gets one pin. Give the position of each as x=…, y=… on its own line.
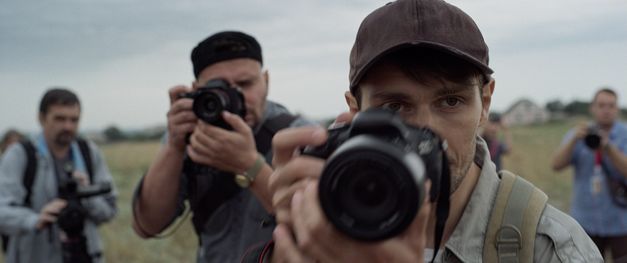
x=209, y=102
x=373, y=180
x=213, y=98
x=71, y=219
x=592, y=139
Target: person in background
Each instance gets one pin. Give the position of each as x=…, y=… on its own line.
x=499, y=139
x=30, y=213
x=597, y=150
x=228, y=197
x=10, y=137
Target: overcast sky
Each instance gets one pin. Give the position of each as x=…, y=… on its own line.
x=121, y=56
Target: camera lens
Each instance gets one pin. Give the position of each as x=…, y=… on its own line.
x=366, y=194
x=593, y=141
x=208, y=106
x=371, y=190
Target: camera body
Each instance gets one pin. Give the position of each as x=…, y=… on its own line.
x=213, y=98
x=592, y=139
x=72, y=219
x=372, y=184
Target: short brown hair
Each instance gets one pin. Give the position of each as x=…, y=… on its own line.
x=607, y=90
x=57, y=96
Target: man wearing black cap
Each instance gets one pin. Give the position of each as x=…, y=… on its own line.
x=223, y=173
x=427, y=61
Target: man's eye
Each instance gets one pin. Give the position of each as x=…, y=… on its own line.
x=450, y=102
x=393, y=106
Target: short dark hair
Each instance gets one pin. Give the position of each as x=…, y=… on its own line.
x=427, y=64
x=57, y=96
x=607, y=90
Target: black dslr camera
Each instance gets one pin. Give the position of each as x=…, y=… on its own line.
x=213, y=98
x=72, y=219
x=592, y=139
x=372, y=184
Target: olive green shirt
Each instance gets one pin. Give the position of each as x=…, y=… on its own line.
x=559, y=237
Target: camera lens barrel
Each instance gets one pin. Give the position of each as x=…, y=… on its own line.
x=593, y=141
x=214, y=98
x=209, y=105
x=371, y=189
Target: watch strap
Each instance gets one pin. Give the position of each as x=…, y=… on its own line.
x=248, y=177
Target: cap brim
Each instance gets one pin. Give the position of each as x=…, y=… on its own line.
x=485, y=70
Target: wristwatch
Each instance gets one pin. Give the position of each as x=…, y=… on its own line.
x=248, y=177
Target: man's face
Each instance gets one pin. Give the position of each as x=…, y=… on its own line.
x=453, y=111
x=604, y=109
x=60, y=123
x=246, y=74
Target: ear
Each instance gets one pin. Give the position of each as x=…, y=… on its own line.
x=486, y=99
x=266, y=77
x=351, y=101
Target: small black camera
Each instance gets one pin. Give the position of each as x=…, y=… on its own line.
x=592, y=139
x=71, y=219
x=372, y=184
x=213, y=98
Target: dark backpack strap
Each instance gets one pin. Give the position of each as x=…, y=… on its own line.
x=202, y=180
x=616, y=186
x=83, y=146
x=263, y=138
x=29, y=171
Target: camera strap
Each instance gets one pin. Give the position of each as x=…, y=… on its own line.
x=442, y=207
x=617, y=187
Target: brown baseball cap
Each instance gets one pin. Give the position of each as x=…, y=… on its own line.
x=417, y=23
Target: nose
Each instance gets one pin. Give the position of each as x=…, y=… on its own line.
x=69, y=124
x=423, y=118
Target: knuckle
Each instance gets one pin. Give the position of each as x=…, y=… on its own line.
x=305, y=242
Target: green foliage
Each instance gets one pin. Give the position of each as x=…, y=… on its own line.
x=577, y=108
x=114, y=134
x=555, y=106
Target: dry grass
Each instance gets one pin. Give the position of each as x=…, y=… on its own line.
x=531, y=158
x=128, y=162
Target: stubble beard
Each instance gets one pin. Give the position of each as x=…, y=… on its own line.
x=459, y=169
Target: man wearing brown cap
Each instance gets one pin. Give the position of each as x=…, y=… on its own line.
x=216, y=159
x=426, y=60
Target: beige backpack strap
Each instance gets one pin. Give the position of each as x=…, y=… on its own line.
x=511, y=232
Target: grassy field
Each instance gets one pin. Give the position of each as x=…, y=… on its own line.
x=532, y=151
x=128, y=162
x=530, y=158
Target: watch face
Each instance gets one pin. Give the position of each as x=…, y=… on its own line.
x=242, y=180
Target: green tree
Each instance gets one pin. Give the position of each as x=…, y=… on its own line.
x=577, y=108
x=114, y=134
